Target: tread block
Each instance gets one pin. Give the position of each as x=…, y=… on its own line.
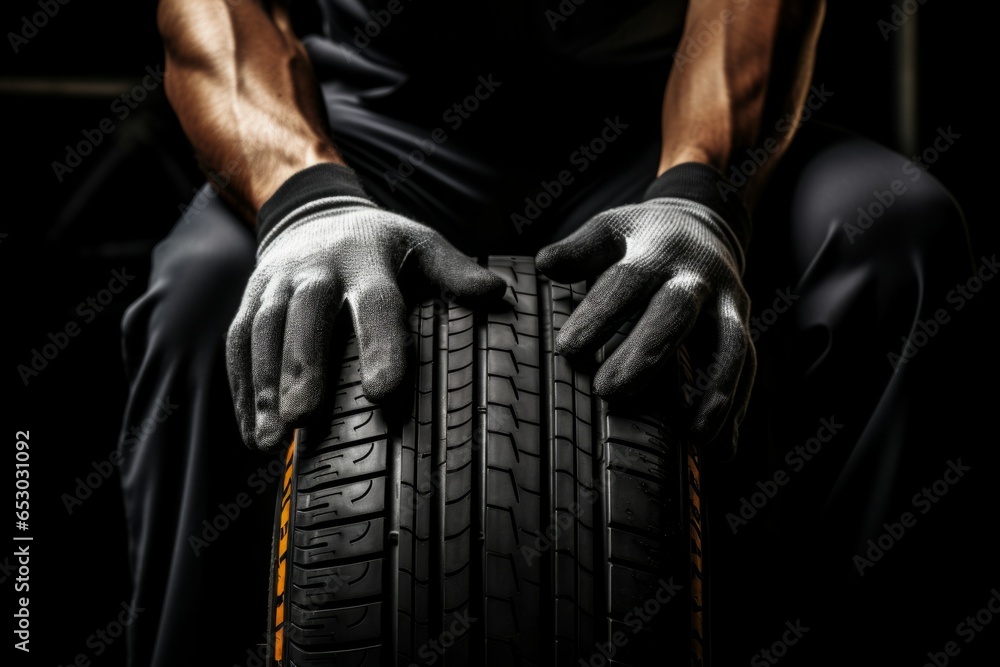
x=352, y=624
x=341, y=502
x=326, y=544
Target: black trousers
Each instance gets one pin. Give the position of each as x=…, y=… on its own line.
x=834, y=290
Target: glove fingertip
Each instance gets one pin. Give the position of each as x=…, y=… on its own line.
x=703, y=428
x=489, y=285
x=269, y=434
x=381, y=382
x=481, y=286
x=554, y=262
x=567, y=346
x=607, y=383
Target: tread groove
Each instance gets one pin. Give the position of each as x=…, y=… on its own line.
x=439, y=462
x=546, y=505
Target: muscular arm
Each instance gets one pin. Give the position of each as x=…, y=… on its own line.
x=241, y=84
x=741, y=65
x=242, y=87
x=680, y=252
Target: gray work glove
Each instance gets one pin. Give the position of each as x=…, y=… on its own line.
x=677, y=254
x=324, y=243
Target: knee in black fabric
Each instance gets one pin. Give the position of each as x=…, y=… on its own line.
x=907, y=204
x=197, y=278
x=867, y=200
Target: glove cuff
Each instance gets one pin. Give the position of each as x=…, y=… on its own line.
x=698, y=182
x=320, y=181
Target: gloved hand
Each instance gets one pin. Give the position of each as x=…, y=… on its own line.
x=679, y=253
x=324, y=243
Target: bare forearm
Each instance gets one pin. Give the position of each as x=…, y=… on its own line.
x=242, y=87
x=741, y=65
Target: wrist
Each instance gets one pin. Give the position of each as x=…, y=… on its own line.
x=699, y=183
x=321, y=181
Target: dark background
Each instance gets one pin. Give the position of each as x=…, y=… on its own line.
x=62, y=240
